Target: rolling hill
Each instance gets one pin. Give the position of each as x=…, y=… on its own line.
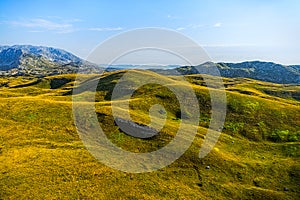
x=42, y=156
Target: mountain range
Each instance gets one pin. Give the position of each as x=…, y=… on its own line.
x=264, y=71
x=42, y=61
x=39, y=60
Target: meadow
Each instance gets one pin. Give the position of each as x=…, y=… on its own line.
x=42, y=156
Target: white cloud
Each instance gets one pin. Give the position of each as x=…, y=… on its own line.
x=39, y=24
x=180, y=28
x=106, y=29
x=56, y=25
x=218, y=24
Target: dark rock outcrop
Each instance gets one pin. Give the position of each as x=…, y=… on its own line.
x=135, y=129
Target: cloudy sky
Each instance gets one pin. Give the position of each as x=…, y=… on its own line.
x=230, y=31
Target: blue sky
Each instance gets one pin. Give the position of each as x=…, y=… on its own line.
x=230, y=31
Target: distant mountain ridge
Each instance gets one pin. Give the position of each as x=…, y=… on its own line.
x=264, y=71
x=38, y=60
x=21, y=60
x=11, y=56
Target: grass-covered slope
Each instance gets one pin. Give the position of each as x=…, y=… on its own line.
x=42, y=156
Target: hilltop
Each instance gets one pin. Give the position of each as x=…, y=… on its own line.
x=42, y=156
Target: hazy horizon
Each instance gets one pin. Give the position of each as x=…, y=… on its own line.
x=230, y=31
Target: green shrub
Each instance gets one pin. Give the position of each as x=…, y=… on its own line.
x=251, y=107
x=279, y=135
x=234, y=127
x=293, y=137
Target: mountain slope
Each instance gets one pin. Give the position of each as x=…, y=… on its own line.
x=38, y=60
x=264, y=71
x=42, y=156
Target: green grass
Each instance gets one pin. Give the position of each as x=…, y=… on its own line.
x=42, y=156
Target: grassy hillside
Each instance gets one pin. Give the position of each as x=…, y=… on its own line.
x=42, y=156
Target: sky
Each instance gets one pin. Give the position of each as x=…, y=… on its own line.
x=229, y=31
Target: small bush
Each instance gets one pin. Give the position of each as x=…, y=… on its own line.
x=279, y=135
x=293, y=137
x=234, y=127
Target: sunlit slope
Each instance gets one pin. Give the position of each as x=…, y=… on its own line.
x=42, y=156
